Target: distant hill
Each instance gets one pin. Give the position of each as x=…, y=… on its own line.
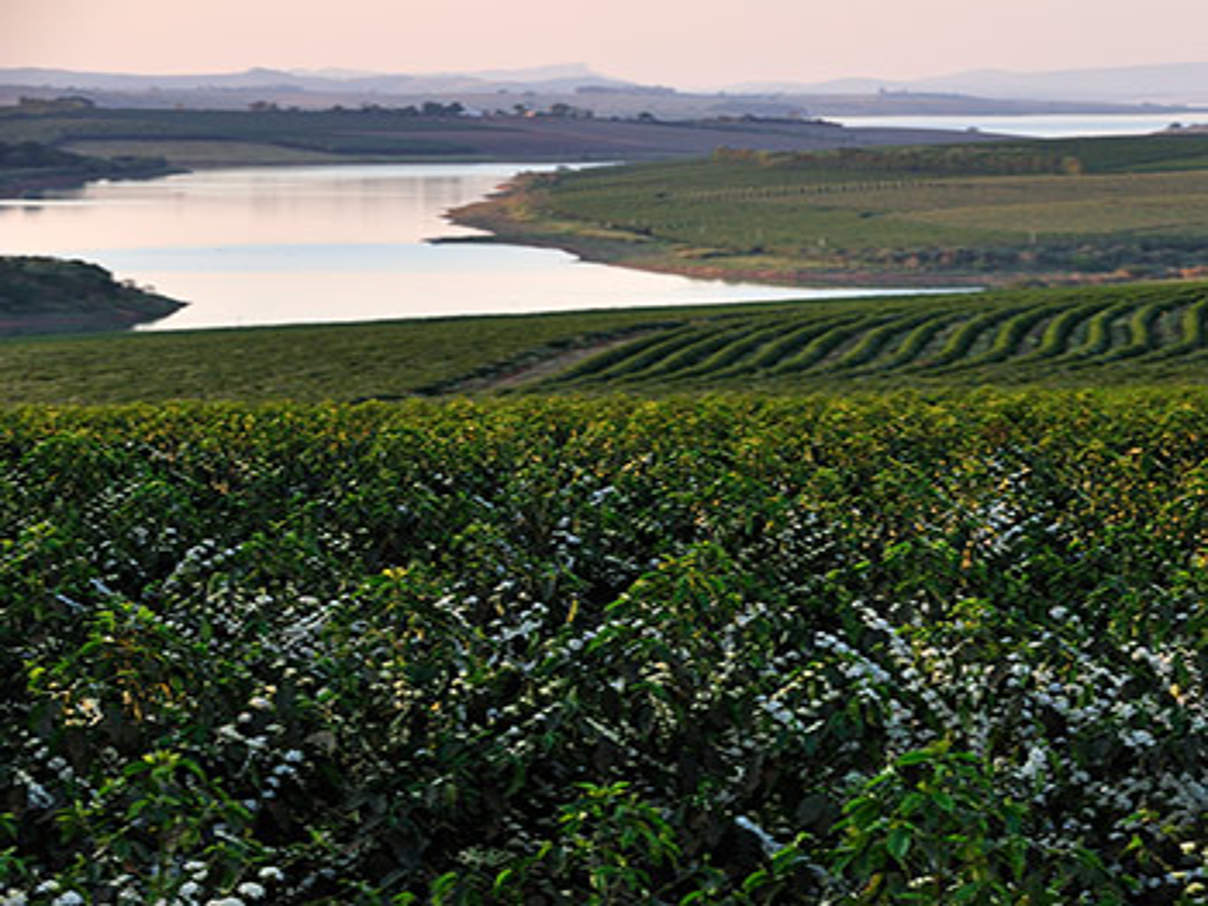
x=1174, y=83
x=976, y=93
x=562, y=77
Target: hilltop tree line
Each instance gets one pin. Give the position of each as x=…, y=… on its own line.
x=436, y=108
x=427, y=108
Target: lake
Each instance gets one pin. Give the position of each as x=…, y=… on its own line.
x=285, y=245
x=1047, y=125
x=258, y=246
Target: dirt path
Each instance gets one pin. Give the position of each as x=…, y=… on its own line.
x=532, y=372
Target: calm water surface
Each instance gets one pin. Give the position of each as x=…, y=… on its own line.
x=1052, y=125
x=331, y=243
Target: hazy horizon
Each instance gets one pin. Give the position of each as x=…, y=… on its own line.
x=700, y=45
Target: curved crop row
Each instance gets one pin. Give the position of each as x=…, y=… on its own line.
x=1193, y=330
x=606, y=359
x=1007, y=337
x=737, y=350
x=788, y=344
x=690, y=354
x=821, y=346
x=645, y=355
x=963, y=338
x=1141, y=335
x=1099, y=332
x=1032, y=334
x=874, y=342
x=1056, y=337
x=1187, y=327
x=915, y=342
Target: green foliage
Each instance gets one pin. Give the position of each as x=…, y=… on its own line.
x=929, y=828
x=49, y=294
x=1085, y=336
x=609, y=835
x=1092, y=335
x=728, y=650
x=989, y=210
x=997, y=159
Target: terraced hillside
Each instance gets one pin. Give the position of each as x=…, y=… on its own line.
x=1106, y=335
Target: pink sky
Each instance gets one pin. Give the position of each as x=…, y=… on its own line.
x=686, y=43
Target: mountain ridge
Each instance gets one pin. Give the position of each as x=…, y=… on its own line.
x=562, y=76
x=1167, y=83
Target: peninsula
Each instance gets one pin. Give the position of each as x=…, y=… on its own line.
x=1058, y=211
x=50, y=295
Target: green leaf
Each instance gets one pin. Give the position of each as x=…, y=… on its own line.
x=501, y=880
x=898, y=844
x=967, y=893
x=912, y=803
x=755, y=880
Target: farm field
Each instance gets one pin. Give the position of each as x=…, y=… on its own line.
x=229, y=137
x=1081, y=336
x=342, y=363
x=742, y=648
x=1153, y=333
x=887, y=600
x=1057, y=210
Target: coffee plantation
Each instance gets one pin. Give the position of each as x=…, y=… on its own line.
x=730, y=649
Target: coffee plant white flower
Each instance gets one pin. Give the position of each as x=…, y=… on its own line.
x=740, y=649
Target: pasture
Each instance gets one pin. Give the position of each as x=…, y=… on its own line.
x=1084, y=209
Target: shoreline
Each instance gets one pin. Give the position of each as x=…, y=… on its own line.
x=513, y=215
x=798, y=279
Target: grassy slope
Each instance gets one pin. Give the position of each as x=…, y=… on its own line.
x=1084, y=336
x=350, y=131
x=989, y=214
x=201, y=137
x=209, y=152
x=338, y=362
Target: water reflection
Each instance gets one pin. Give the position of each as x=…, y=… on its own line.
x=284, y=245
x=1040, y=125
